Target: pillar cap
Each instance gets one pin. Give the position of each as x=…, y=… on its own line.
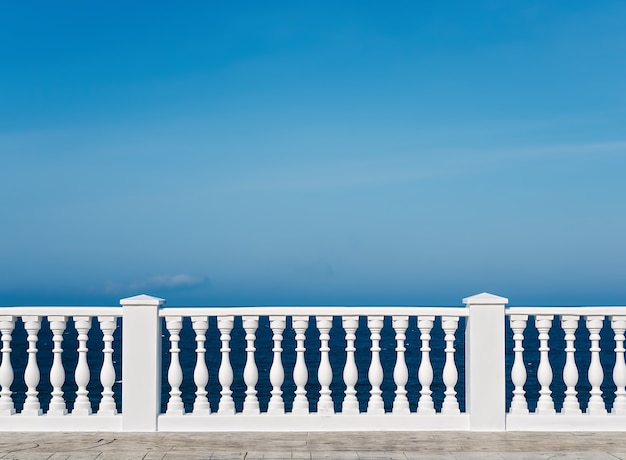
x=142, y=299
x=484, y=298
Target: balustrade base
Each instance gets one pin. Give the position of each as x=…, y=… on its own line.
x=565, y=422
x=68, y=422
x=315, y=422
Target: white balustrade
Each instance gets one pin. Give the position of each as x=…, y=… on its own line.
x=400, y=370
x=595, y=373
x=618, y=324
x=375, y=404
x=252, y=384
x=250, y=371
x=519, y=405
x=225, y=374
x=201, y=405
x=571, y=405
x=425, y=405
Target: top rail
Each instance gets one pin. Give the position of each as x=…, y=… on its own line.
x=581, y=311
x=313, y=311
x=61, y=310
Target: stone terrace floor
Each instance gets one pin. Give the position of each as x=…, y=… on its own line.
x=337, y=446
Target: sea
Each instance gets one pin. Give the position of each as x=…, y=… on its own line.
x=264, y=356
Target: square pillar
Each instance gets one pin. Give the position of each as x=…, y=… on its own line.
x=485, y=385
x=141, y=362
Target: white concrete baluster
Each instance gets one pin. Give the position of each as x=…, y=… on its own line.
x=82, y=405
x=32, y=324
x=350, y=403
x=107, y=373
x=519, y=405
x=425, y=404
x=57, y=373
x=325, y=372
x=300, y=373
x=571, y=405
x=175, y=405
x=595, y=373
x=200, y=325
x=618, y=324
x=276, y=404
x=250, y=371
x=7, y=324
x=400, y=370
x=225, y=374
x=375, y=404
x=545, y=404
x=450, y=374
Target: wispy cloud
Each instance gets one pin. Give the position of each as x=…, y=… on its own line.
x=407, y=167
x=179, y=281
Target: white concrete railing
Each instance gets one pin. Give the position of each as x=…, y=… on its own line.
x=592, y=395
x=304, y=414
x=312, y=391
x=56, y=417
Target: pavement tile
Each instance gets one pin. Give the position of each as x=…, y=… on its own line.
x=325, y=455
x=23, y=455
x=187, y=456
x=429, y=456
x=75, y=456
x=228, y=456
x=477, y=456
x=154, y=456
x=121, y=455
x=365, y=455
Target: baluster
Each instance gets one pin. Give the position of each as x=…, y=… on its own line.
x=175, y=404
x=200, y=325
x=350, y=372
x=107, y=373
x=545, y=405
x=325, y=372
x=400, y=370
x=571, y=405
x=595, y=374
x=225, y=374
x=450, y=374
x=300, y=374
x=277, y=372
x=7, y=324
x=618, y=323
x=375, y=404
x=82, y=405
x=250, y=371
x=425, y=404
x=519, y=404
x=32, y=324
x=57, y=373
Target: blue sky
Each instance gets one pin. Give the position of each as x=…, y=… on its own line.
x=242, y=153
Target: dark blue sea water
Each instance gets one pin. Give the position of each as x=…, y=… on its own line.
x=337, y=357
